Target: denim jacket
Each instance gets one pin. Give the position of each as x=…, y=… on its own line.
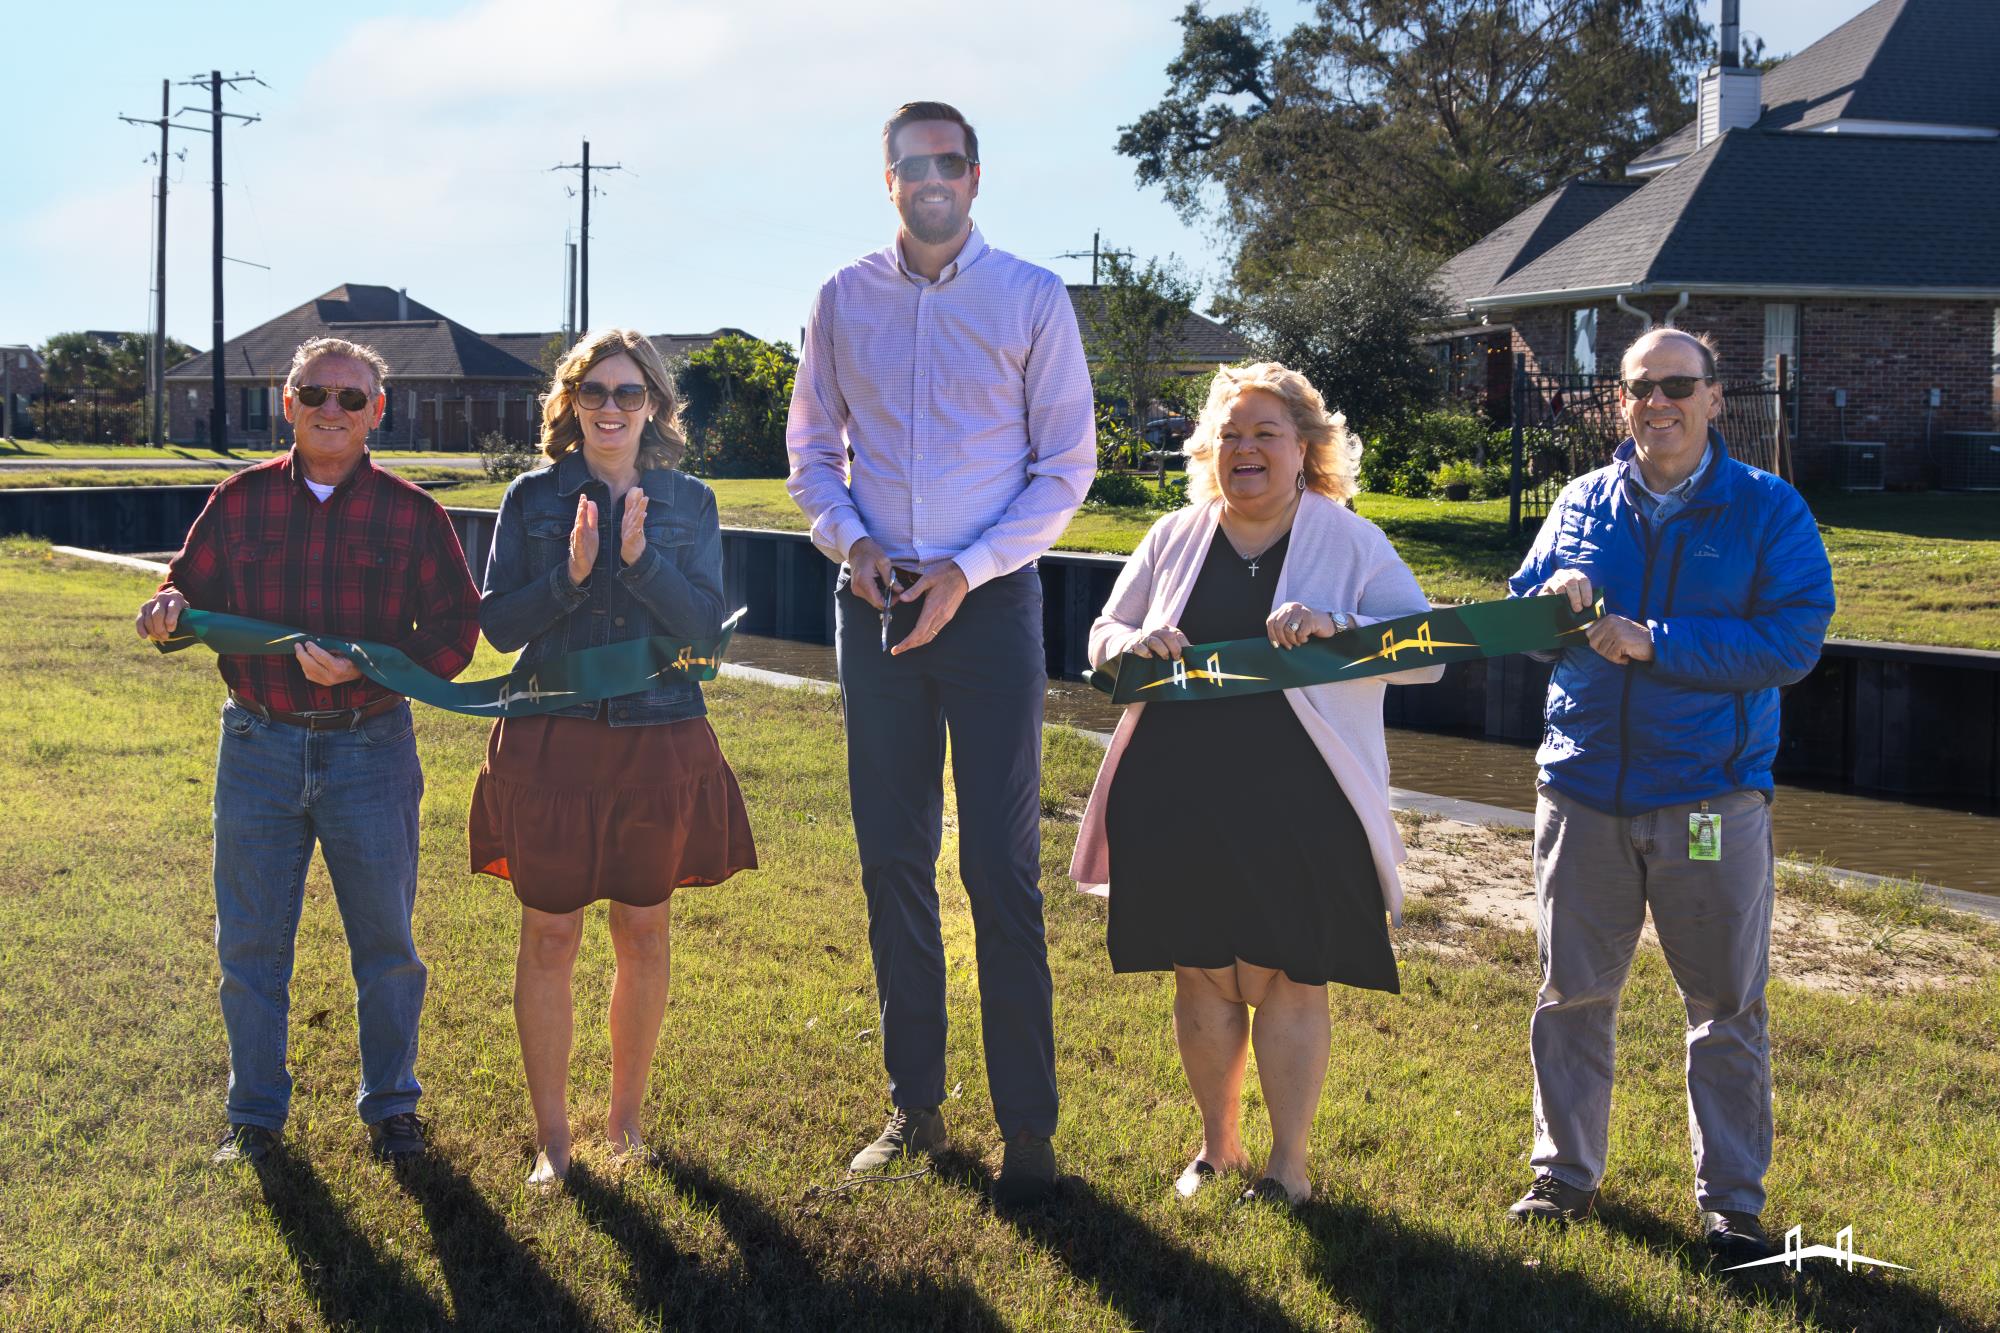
x=673, y=589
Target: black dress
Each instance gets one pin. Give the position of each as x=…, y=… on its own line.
x=1229, y=836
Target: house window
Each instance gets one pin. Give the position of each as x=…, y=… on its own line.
x=256, y=409
x=388, y=412
x=1781, y=338
x=1583, y=341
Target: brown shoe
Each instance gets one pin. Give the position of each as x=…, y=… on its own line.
x=1549, y=1200
x=912, y=1129
x=1027, y=1171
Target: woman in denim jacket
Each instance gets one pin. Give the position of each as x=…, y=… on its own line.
x=625, y=799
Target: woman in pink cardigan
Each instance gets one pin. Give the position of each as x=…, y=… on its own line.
x=1249, y=836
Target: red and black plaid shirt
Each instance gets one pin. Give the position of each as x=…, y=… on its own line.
x=378, y=559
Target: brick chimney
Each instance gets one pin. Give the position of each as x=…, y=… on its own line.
x=1731, y=98
x=402, y=304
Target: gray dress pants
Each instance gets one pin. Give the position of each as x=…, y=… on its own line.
x=1595, y=876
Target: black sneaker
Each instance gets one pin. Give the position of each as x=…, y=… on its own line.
x=245, y=1143
x=1027, y=1171
x=397, y=1138
x=1734, y=1238
x=1550, y=1200
x=916, y=1129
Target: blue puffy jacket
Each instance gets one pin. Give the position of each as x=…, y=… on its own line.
x=1736, y=589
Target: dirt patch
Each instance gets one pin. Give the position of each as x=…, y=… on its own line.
x=1464, y=878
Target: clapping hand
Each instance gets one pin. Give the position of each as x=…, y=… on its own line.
x=632, y=529
x=583, y=540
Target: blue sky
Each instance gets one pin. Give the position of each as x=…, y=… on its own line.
x=408, y=144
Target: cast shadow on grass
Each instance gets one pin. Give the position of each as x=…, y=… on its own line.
x=1823, y=1294
x=777, y=1282
x=1151, y=1282
x=348, y=1282
x=495, y=1281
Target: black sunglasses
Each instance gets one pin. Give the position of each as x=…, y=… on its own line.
x=629, y=397
x=312, y=395
x=1674, y=386
x=917, y=166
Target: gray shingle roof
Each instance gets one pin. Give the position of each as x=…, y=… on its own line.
x=1527, y=236
x=1776, y=211
x=424, y=346
x=1927, y=62
x=671, y=346
x=1200, y=338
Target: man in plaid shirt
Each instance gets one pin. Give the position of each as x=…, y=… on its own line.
x=312, y=751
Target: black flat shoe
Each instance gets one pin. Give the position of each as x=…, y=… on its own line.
x=1193, y=1177
x=1269, y=1191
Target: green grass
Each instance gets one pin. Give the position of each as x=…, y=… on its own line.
x=18, y=478
x=769, y=1076
x=146, y=453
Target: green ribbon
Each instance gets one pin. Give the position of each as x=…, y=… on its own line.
x=1253, y=666
x=581, y=677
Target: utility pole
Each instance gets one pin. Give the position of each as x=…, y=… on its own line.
x=156, y=355
x=583, y=283
x=1096, y=255
x=569, y=295
x=218, y=437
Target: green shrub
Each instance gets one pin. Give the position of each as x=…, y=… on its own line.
x=1458, y=472
x=1119, y=490
x=1401, y=459
x=503, y=459
x=1118, y=445
x=1173, y=492
x=1494, y=480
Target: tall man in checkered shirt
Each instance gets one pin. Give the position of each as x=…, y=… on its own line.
x=313, y=751
x=953, y=375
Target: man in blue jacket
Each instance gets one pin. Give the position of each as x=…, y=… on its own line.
x=1655, y=783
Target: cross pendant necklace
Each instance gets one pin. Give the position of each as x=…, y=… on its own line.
x=1253, y=566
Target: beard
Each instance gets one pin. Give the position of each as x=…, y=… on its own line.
x=932, y=227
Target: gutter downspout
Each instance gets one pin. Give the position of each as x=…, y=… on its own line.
x=1645, y=320
x=1678, y=306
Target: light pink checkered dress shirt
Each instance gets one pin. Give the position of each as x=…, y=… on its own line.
x=965, y=401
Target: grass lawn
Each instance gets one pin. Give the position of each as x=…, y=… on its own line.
x=769, y=1076
x=17, y=478
x=146, y=453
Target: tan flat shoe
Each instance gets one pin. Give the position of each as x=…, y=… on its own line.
x=545, y=1178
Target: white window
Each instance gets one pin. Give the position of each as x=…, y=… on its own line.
x=1781, y=338
x=1583, y=341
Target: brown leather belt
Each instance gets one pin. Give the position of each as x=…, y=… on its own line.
x=332, y=719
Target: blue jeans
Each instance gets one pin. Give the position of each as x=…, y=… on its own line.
x=981, y=681
x=278, y=790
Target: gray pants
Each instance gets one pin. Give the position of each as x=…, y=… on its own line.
x=1595, y=876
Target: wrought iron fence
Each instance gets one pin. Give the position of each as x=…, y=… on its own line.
x=1567, y=425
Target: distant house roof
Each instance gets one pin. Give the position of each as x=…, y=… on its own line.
x=1928, y=62
x=425, y=345
x=1526, y=237
x=1757, y=211
x=1200, y=339
x=1874, y=169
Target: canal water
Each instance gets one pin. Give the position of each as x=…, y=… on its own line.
x=1954, y=846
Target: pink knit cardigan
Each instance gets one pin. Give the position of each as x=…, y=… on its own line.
x=1337, y=561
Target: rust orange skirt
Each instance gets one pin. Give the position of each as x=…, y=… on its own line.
x=573, y=810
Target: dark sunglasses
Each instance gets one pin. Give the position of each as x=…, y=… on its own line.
x=917, y=166
x=629, y=397
x=1674, y=386
x=350, y=400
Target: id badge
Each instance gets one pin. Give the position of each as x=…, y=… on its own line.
x=1704, y=835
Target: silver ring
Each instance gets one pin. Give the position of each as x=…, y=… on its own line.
x=1292, y=625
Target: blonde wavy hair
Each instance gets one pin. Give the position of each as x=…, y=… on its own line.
x=661, y=443
x=1332, y=452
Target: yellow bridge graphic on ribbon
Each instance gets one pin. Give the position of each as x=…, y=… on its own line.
x=1422, y=643
x=1210, y=670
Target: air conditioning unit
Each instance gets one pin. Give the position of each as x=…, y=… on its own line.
x=1968, y=460
x=1857, y=464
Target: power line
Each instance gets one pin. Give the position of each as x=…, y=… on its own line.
x=1094, y=254
x=156, y=354
x=218, y=437
x=583, y=282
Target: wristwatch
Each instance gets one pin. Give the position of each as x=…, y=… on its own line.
x=1342, y=622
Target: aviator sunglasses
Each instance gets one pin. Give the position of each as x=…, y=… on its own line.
x=917, y=166
x=628, y=397
x=350, y=400
x=1674, y=386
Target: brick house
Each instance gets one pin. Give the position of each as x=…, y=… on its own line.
x=448, y=385
x=1841, y=209
x=21, y=376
